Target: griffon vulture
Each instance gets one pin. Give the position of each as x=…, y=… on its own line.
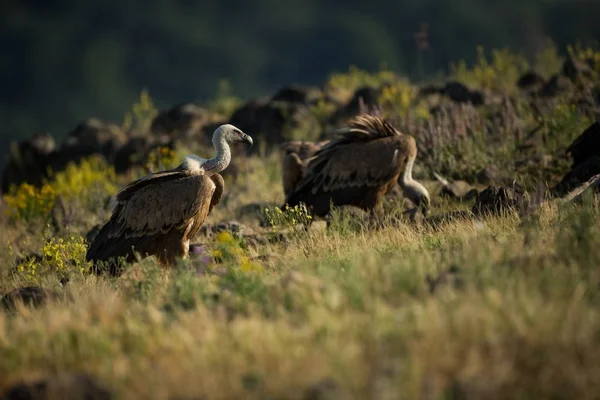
x=296, y=155
x=359, y=167
x=158, y=214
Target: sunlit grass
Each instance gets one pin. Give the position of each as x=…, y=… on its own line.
x=293, y=307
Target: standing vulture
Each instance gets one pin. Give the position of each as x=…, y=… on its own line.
x=296, y=155
x=359, y=167
x=158, y=214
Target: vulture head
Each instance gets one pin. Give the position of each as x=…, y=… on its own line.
x=418, y=195
x=231, y=134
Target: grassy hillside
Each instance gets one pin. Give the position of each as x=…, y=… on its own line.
x=501, y=305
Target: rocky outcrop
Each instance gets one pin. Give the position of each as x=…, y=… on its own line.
x=28, y=161
x=495, y=200
x=32, y=296
x=68, y=386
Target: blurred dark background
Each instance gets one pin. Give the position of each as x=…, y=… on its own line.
x=64, y=61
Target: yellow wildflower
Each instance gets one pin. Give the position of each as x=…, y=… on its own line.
x=224, y=237
x=246, y=265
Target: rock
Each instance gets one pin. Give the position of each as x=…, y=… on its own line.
x=575, y=69
x=30, y=296
x=253, y=210
x=531, y=81
x=234, y=227
x=450, y=277
x=298, y=94
x=183, y=121
x=490, y=175
x=65, y=386
x=275, y=122
x=247, y=116
x=495, y=200
x=325, y=389
x=455, y=91
x=459, y=190
x=132, y=154
x=27, y=161
x=136, y=152
x=256, y=240
x=459, y=93
x=364, y=98
x=92, y=136
x=556, y=85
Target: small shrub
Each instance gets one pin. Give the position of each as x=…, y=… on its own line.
x=356, y=78
x=225, y=102
x=586, y=54
x=58, y=256
x=289, y=217
x=162, y=158
x=322, y=110
x=548, y=61
x=229, y=250
x=86, y=182
x=498, y=74
x=563, y=124
x=27, y=202
x=141, y=114
x=400, y=100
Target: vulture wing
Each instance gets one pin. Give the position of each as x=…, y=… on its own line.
x=355, y=169
x=163, y=205
x=218, y=193
x=292, y=171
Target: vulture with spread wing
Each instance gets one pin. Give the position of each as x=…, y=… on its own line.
x=296, y=155
x=359, y=167
x=158, y=214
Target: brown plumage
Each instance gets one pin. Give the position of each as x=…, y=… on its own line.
x=296, y=155
x=359, y=167
x=159, y=214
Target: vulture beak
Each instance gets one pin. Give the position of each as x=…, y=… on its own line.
x=247, y=138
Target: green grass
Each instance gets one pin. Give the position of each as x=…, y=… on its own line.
x=345, y=312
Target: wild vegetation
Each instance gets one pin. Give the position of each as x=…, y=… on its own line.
x=276, y=304
x=101, y=54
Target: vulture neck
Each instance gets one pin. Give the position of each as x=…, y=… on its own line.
x=222, y=159
x=406, y=178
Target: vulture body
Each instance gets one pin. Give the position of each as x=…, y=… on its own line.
x=158, y=214
x=296, y=155
x=359, y=167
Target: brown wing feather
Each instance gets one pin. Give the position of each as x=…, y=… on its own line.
x=296, y=156
x=357, y=168
x=164, y=205
x=303, y=149
x=218, y=193
x=292, y=171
